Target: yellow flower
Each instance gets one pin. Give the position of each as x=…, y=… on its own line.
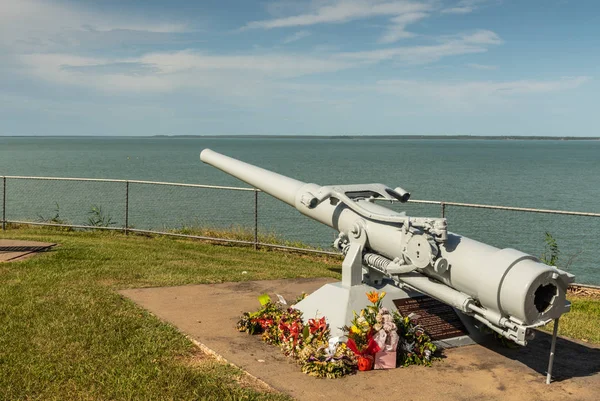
x=355, y=330
x=382, y=294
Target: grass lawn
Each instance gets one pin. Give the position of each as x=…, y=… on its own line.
x=66, y=334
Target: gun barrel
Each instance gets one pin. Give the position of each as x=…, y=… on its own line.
x=277, y=185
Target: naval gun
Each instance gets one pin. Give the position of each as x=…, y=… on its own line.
x=505, y=290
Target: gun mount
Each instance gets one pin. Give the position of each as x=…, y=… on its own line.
x=506, y=290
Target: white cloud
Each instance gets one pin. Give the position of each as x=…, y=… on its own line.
x=342, y=11
x=274, y=65
x=296, y=37
x=170, y=71
x=467, y=43
x=266, y=77
x=27, y=25
x=482, y=66
x=474, y=94
x=401, y=13
x=464, y=7
x=481, y=36
x=162, y=72
x=397, y=30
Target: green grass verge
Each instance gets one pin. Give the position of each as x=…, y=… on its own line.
x=583, y=322
x=66, y=334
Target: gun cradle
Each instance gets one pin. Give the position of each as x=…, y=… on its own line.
x=506, y=290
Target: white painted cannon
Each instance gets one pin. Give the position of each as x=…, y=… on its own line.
x=506, y=290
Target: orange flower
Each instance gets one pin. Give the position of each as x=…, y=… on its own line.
x=373, y=296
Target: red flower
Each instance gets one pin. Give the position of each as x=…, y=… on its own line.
x=265, y=323
x=315, y=325
x=291, y=330
x=365, y=363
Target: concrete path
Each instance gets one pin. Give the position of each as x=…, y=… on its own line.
x=208, y=313
x=11, y=250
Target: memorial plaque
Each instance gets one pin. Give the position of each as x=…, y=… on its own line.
x=439, y=320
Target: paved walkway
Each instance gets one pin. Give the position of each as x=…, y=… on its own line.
x=11, y=250
x=208, y=313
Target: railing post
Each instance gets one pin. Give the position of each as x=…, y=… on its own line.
x=255, y=219
x=3, y=203
x=443, y=209
x=126, y=207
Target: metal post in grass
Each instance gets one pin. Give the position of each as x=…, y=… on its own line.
x=552, y=349
x=3, y=203
x=443, y=209
x=126, y=207
x=255, y=219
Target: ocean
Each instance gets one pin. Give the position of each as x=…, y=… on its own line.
x=545, y=174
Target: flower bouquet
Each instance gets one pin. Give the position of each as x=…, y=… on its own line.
x=362, y=330
x=386, y=337
x=291, y=330
x=261, y=320
x=330, y=361
x=415, y=345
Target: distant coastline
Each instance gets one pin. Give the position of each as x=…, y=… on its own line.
x=387, y=137
x=459, y=137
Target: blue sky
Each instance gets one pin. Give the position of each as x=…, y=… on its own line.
x=320, y=67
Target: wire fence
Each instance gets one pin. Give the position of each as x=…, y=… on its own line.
x=249, y=216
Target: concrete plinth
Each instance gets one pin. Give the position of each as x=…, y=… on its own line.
x=338, y=302
x=12, y=250
x=208, y=314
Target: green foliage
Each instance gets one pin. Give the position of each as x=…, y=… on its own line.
x=56, y=219
x=257, y=322
x=329, y=362
x=551, y=251
x=99, y=218
x=415, y=346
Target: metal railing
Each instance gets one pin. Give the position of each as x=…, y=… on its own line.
x=126, y=228
x=125, y=199
x=443, y=205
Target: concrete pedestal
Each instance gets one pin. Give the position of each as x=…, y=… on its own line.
x=337, y=303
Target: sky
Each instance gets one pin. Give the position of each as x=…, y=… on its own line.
x=314, y=67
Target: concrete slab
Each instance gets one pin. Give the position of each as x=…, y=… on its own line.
x=11, y=250
x=208, y=314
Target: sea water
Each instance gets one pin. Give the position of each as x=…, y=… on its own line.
x=542, y=174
